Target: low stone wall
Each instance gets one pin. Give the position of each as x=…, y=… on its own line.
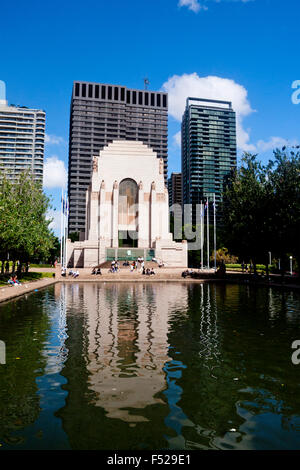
x=11, y=292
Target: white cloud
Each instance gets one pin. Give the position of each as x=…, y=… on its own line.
x=53, y=140
x=179, y=87
x=55, y=216
x=196, y=5
x=55, y=173
x=273, y=143
x=193, y=5
x=177, y=138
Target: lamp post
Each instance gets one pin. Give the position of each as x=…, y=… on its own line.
x=291, y=265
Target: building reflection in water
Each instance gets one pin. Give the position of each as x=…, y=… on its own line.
x=177, y=366
x=126, y=341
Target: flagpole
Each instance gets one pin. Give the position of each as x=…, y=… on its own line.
x=201, y=230
x=61, y=226
x=66, y=236
x=207, y=228
x=64, y=230
x=215, y=233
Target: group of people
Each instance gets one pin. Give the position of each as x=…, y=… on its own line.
x=148, y=271
x=70, y=273
x=97, y=271
x=134, y=266
x=73, y=273
x=114, y=267
x=13, y=281
x=187, y=272
x=247, y=268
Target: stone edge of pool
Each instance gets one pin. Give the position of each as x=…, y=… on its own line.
x=10, y=293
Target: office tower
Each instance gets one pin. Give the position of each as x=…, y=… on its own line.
x=208, y=134
x=100, y=114
x=22, y=135
x=175, y=189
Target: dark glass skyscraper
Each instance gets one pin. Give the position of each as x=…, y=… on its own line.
x=175, y=189
x=208, y=134
x=102, y=113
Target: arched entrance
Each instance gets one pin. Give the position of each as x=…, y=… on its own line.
x=128, y=213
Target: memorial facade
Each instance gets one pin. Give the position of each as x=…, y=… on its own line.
x=127, y=210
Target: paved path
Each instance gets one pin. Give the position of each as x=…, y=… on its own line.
x=10, y=292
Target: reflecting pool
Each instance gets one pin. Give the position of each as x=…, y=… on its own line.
x=150, y=366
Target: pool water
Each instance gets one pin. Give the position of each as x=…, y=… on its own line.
x=150, y=366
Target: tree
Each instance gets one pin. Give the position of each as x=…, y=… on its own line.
x=24, y=227
x=222, y=255
x=246, y=208
x=284, y=177
x=261, y=208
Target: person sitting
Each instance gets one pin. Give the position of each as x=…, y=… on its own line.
x=148, y=272
x=152, y=271
x=15, y=280
x=76, y=274
x=94, y=271
x=63, y=272
x=99, y=271
x=71, y=272
x=10, y=281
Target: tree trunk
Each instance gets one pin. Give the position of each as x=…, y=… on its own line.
x=282, y=268
x=19, y=270
x=267, y=268
x=254, y=266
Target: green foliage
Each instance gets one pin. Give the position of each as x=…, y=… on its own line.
x=24, y=228
x=74, y=236
x=261, y=208
x=222, y=255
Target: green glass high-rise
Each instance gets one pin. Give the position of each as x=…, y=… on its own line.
x=208, y=134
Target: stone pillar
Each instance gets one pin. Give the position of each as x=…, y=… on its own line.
x=102, y=211
x=143, y=220
x=93, y=216
x=115, y=214
x=153, y=215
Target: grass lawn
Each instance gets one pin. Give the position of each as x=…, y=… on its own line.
x=238, y=267
x=24, y=277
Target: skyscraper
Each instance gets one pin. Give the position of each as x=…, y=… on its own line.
x=22, y=135
x=101, y=113
x=175, y=189
x=208, y=135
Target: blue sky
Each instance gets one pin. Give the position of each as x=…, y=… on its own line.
x=244, y=51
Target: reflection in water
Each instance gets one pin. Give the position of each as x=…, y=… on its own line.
x=126, y=344
x=33, y=328
x=150, y=366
